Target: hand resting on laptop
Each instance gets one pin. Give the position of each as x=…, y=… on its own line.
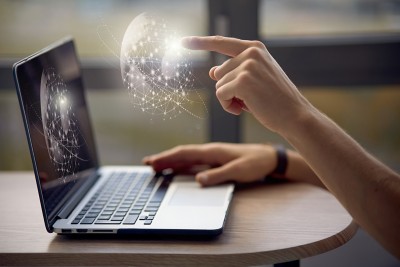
x=243, y=163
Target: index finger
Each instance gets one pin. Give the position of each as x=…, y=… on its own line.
x=224, y=45
x=181, y=157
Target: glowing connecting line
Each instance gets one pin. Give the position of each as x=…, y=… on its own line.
x=155, y=70
x=59, y=124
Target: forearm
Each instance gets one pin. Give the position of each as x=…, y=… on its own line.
x=299, y=171
x=367, y=189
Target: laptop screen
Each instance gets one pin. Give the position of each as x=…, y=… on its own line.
x=57, y=122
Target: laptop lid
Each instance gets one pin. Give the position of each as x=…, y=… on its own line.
x=60, y=138
x=58, y=128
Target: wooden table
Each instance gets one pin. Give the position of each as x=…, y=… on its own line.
x=267, y=224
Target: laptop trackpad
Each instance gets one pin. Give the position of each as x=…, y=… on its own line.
x=192, y=194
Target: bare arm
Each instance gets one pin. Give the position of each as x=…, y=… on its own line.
x=368, y=189
x=299, y=171
x=253, y=81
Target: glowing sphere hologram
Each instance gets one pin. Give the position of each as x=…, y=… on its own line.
x=155, y=69
x=59, y=123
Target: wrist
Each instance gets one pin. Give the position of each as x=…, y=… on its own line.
x=299, y=122
x=282, y=161
x=281, y=165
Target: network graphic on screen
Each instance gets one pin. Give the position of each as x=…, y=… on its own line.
x=60, y=129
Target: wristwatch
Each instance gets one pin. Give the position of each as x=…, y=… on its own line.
x=282, y=161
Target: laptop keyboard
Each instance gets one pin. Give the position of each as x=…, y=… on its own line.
x=124, y=199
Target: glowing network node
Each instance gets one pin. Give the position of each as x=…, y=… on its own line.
x=155, y=69
x=60, y=129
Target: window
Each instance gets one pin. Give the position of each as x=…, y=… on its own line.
x=27, y=26
x=366, y=108
x=328, y=17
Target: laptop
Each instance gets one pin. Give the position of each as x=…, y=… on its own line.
x=78, y=195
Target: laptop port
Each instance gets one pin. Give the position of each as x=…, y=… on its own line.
x=103, y=231
x=81, y=230
x=66, y=231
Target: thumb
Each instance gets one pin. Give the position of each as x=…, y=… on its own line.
x=212, y=73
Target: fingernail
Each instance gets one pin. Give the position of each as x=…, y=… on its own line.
x=203, y=178
x=185, y=41
x=147, y=160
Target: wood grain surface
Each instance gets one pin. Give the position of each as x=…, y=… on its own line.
x=267, y=223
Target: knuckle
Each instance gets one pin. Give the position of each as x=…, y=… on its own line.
x=244, y=77
x=213, y=149
x=219, y=94
x=254, y=52
x=218, y=148
x=206, y=147
x=179, y=149
x=182, y=149
x=258, y=44
x=218, y=38
x=250, y=64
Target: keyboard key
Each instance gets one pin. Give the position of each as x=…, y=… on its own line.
x=122, y=209
x=104, y=217
x=87, y=220
x=151, y=209
x=96, y=209
x=76, y=221
x=134, y=212
x=131, y=219
x=154, y=204
x=159, y=195
x=107, y=212
x=120, y=213
x=147, y=222
x=91, y=214
x=161, y=191
x=117, y=218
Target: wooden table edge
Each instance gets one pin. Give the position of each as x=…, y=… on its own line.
x=162, y=259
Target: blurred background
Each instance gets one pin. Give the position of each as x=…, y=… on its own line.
x=343, y=54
